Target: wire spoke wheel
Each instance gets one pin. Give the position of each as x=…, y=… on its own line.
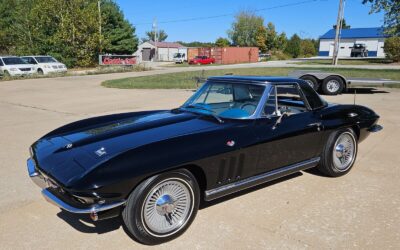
x=344, y=151
x=333, y=86
x=167, y=207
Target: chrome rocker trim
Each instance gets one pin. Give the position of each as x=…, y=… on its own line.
x=41, y=181
x=260, y=179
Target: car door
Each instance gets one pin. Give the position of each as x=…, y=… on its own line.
x=289, y=132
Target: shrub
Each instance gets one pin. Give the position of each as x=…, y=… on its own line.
x=307, y=48
x=392, y=48
x=279, y=55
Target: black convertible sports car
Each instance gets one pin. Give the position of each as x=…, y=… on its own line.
x=155, y=167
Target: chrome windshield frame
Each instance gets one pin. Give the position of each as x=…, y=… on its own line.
x=257, y=113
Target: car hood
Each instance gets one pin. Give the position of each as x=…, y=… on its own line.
x=71, y=152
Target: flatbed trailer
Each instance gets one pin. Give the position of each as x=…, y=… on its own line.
x=326, y=82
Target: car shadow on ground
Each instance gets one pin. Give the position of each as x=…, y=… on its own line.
x=84, y=224
x=315, y=171
x=365, y=90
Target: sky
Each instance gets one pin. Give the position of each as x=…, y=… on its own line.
x=307, y=18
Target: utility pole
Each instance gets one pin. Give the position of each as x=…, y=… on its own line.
x=100, y=38
x=155, y=31
x=339, y=22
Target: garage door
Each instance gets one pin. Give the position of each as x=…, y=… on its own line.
x=146, y=54
x=345, y=48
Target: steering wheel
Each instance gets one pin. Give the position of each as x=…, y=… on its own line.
x=249, y=107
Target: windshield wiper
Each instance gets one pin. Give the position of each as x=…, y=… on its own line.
x=217, y=118
x=212, y=112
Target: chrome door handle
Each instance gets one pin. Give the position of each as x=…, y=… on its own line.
x=315, y=124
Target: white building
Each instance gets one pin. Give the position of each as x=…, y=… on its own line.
x=165, y=50
x=373, y=38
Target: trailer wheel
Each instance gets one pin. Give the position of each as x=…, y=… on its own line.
x=332, y=85
x=312, y=81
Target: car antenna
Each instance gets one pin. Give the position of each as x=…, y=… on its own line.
x=355, y=93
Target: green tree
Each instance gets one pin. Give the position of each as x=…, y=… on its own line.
x=244, y=28
x=65, y=29
x=222, y=42
x=7, y=19
x=271, y=40
x=118, y=34
x=344, y=25
x=316, y=44
x=307, y=48
x=162, y=36
x=392, y=48
x=391, y=9
x=281, y=41
x=293, y=47
x=261, y=37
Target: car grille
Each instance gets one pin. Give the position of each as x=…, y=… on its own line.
x=60, y=66
x=55, y=67
x=25, y=69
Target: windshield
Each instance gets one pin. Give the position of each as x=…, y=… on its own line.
x=199, y=57
x=177, y=55
x=45, y=59
x=226, y=100
x=13, y=61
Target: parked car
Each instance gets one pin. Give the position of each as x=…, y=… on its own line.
x=14, y=66
x=359, y=50
x=155, y=167
x=45, y=65
x=180, y=58
x=326, y=82
x=202, y=60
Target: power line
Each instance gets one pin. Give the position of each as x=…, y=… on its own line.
x=229, y=14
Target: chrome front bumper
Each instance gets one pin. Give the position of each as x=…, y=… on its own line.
x=375, y=128
x=44, y=183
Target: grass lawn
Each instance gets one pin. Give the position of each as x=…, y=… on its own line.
x=345, y=62
x=187, y=80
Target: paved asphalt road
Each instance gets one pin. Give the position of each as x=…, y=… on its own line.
x=360, y=210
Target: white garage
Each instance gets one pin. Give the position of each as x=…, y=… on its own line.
x=160, y=51
x=372, y=38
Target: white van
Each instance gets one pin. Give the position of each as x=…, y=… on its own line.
x=15, y=66
x=45, y=65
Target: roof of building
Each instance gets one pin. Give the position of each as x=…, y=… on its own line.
x=356, y=33
x=166, y=44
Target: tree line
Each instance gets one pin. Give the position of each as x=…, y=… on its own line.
x=69, y=30
x=248, y=29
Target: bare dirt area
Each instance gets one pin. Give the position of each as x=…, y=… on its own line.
x=360, y=210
